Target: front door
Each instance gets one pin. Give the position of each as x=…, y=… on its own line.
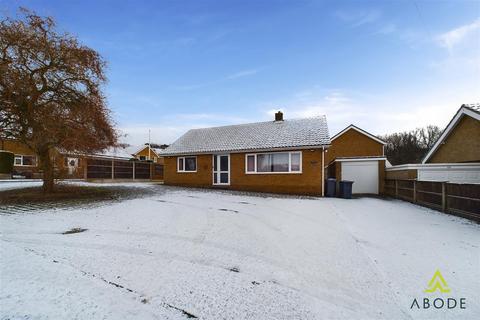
x=221, y=169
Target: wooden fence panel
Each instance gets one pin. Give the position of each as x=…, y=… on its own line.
x=157, y=172
x=142, y=170
x=458, y=199
x=123, y=169
x=99, y=169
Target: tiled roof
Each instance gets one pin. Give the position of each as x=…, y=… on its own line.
x=473, y=106
x=253, y=136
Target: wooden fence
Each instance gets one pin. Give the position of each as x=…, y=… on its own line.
x=458, y=199
x=122, y=169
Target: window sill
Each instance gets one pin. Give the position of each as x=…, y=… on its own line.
x=255, y=173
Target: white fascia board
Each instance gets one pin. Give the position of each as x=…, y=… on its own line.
x=453, y=123
x=358, y=130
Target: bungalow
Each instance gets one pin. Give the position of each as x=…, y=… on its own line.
x=282, y=156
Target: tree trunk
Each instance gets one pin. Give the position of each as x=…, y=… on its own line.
x=46, y=164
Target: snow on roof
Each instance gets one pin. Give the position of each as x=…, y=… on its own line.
x=253, y=136
x=118, y=152
x=473, y=106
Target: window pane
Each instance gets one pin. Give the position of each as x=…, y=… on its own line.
x=28, y=160
x=295, y=157
x=180, y=164
x=215, y=163
x=263, y=163
x=224, y=163
x=18, y=160
x=190, y=164
x=280, y=162
x=250, y=163
x=215, y=177
x=223, y=177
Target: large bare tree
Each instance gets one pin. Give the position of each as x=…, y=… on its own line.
x=51, y=91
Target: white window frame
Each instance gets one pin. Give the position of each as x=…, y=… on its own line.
x=185, y=171
x=283, y=172
x=21, y=161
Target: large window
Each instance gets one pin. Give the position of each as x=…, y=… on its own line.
x=21, y=160
x=187, y=164
x=278, y=162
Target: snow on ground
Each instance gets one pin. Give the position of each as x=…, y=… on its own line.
x=13, y=184
x=220, y=255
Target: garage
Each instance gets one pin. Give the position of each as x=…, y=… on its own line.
x=363, y=173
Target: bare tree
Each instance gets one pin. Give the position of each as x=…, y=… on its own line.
x=50, y=91
x=410, y=146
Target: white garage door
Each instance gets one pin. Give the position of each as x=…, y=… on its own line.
x=363, y=173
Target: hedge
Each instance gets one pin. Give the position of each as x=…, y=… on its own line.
x=6, y=162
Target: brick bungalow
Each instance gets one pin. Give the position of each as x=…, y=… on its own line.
x=281, y=156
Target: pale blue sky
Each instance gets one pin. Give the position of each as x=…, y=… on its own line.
x=174, y=65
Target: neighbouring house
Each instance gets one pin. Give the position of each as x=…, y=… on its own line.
x=26, y=163
x=357, y=155
x=118, y=163
x=281, y=156
x=455, y=157
x=148, y=153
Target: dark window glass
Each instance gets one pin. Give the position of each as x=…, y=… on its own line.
x=263, y=163
x=180, y=164
x=224, y=177
x=251, y=163
x=28, y=160
x=295, y=159
x=190, y=164
x=279, y=162
x=215, y=163
x=223, y=163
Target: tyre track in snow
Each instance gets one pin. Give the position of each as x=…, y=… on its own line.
x=388, y=287
x=138, y=296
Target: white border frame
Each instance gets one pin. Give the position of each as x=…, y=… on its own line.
x=289, y=163
x=219, y=171
x=183, y=157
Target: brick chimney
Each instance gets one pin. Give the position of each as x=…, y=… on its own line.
x=279, y=116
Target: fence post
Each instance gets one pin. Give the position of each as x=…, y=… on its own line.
x=444, y=197
x=85, y=168
x=133, y=170
x=396, y=188
x=113, y=169
x=414, y=191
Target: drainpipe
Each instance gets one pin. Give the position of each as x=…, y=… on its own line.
x=323, y=171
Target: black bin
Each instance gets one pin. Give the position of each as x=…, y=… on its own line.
x=346, y=189
x=330, y=186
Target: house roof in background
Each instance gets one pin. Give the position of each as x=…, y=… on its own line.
x=368, y=134
x=291, y=133
x=472, y=110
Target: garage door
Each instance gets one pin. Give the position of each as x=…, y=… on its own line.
x=363, y=173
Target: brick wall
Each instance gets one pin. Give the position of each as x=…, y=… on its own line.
x=308, y=182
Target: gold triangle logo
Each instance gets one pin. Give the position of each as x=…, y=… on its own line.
x=437, y=283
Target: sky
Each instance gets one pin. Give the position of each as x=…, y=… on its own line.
x=385, y=66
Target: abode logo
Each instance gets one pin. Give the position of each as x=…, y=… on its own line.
x=438, y=285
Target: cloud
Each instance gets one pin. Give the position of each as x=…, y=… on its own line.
x=387, y=29
x=233, y=76
x=359, y=18
x=241, y=74
x=458, y=35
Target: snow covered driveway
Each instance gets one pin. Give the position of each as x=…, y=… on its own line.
x=218, y=255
